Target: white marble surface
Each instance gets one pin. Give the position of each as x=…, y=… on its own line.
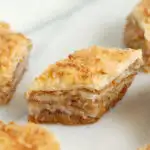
x=83, y=23
x=28, y=14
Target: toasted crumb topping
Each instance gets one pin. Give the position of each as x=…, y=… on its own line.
x=13, y=48
x=93, y=67
x=26, y=137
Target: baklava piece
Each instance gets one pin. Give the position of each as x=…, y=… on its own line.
x=14, y=51
x=137, y=31
x=26, y=137
x=82, y=87
x=145, y=148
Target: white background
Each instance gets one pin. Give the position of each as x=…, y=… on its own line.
x=83, y=23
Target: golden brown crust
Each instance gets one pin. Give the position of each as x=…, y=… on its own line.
x=58, y=117
x=26, y=137
x=93, y=67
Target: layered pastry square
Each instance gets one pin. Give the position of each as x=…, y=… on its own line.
x=26, y=137
x=137, y=31
x=14, y=52
x=82, y=87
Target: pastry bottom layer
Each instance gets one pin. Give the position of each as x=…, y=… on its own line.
x=7, y=91
x=46, y=116
x=134, y=38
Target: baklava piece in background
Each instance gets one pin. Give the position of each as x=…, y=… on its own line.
x=145, y=148
x=14, y=52
x=26, y=137
x=137, y=31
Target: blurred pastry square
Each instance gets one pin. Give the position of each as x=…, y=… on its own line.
x=14, y=52
x=137, y=31
x=26, y=137
x=147, y=147
x=82, y=87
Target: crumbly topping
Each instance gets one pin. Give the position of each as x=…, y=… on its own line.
x=93, y=67
x=26, y=137
x=13, y=48
x=141, y=15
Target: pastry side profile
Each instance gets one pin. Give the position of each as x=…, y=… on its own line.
x=82, y=87
x=14, y=52
x=137, y=31
x=26, y=137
